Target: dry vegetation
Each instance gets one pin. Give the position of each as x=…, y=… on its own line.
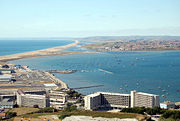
x=23, y=110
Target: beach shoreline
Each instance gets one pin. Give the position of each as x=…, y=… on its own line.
x=40, y=53
x=55, y=51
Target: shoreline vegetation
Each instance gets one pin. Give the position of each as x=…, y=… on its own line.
x=41, y=53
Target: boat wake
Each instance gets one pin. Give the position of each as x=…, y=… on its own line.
x=105, y=71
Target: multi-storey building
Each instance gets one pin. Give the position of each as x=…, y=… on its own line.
x=106, y=100
x=29, y=100
x=117, y=100
x=57, y=99
x=140, y=99
x=92, y=101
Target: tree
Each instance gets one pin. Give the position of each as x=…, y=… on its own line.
x=5, y=66
x=70, y=108
x=47, y=110
x=10, y=114
x=16, y=106
x=36, y=106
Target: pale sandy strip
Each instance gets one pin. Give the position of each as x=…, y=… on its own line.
x=48, y=51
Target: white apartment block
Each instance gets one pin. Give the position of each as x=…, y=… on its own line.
x=118, y=100
x=140, y=99
x=106, y=100
x=57, y=99
x=29, y=100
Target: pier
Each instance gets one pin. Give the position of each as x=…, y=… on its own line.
x=88, y=87
x=62, y=71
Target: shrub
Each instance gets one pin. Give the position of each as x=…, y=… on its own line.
x=73, y=94
x=171, y=114
x=70, y=108
x=47, y=110
x=36, y=106
x=63, y=116
x=10, y=114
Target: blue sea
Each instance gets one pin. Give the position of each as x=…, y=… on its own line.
x=18, y=46
x=156, y=72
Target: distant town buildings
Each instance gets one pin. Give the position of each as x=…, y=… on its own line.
x=117, y=100
x=135, y=45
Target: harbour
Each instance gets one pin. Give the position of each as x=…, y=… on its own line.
x=146, y=74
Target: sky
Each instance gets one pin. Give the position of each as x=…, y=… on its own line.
x=83, y=18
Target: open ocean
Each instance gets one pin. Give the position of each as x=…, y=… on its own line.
x=18, y=46
x=156, y=72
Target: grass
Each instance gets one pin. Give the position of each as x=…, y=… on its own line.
x=88, y=113
x=106, y=114
x=23, y=110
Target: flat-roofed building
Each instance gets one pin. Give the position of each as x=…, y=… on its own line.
x=177, y=105
x=6, y=71
x=140, y=99
x=92, y=101
x=7, y=103
x=118, y=100
x=29, y=100
x=57, y=99
x=167, y=105
x=106, y=100
x=5, y=78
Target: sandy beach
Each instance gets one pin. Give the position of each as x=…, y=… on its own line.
x=40, y=53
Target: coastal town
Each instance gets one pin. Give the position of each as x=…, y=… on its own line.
x=90, y=60
x=23, y=87
x=135, y=45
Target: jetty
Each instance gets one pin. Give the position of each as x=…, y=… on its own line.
x=88, y=87
x=62, y=71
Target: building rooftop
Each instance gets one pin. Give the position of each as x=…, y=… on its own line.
x=2, y=69
x=36, y=96
x=143, y=93
x=108, y=93
x=6, y=101
x=167, y=103
x=5, y=76
x=50, y=85
x=177, y=103
x=20, y=92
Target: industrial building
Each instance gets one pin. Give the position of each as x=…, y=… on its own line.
x=100, y=100
x=30, y=100
x=57, y=99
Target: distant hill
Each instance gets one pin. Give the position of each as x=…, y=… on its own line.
x=130, y=38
